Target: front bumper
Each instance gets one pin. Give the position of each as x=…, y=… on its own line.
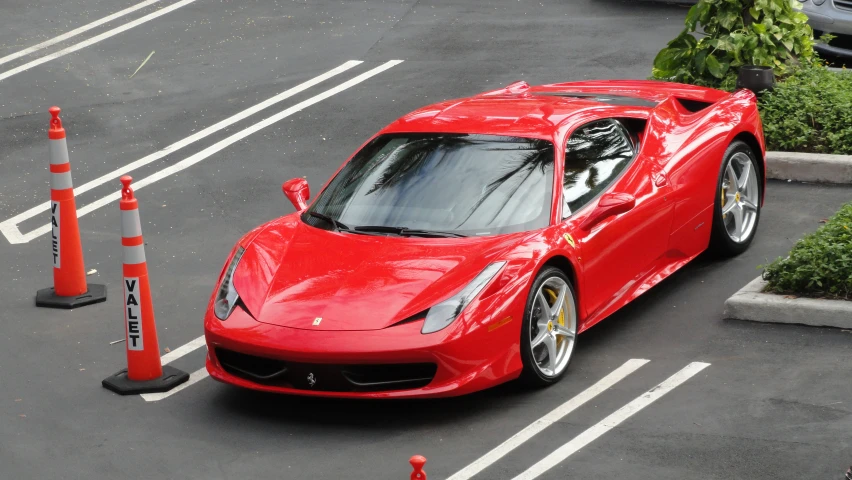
x=832, y=51
x=834, y=17
x=467, y=357
x=829, y=17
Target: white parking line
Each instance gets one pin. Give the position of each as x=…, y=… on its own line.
x=182, y=350
x=93, y=40
x=554, y=416
x=216, y=147
x=612, y=421
x=194, y=378
x=9, y=228
x=75, y=32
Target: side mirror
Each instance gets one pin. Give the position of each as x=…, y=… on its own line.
x=297, y=190
x=610, y=204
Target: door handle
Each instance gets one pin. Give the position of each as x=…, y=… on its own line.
x=660, y=179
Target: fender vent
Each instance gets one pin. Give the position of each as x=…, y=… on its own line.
x=694, y=106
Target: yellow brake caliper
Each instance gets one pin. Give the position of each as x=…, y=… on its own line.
x=553, y=295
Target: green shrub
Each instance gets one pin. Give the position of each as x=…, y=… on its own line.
x=769, y=33
x=820, y=264
x=810, y=111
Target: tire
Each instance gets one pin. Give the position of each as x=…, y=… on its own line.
x=727, y=239
x=562, y=328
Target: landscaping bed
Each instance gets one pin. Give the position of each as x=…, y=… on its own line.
x=809, y=111
x=819, y=265
x=811, y=286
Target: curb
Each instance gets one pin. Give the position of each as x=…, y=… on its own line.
x=809, y=167
x=752, y=304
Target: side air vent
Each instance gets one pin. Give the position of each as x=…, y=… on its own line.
x=605, y=98
x=693, y=106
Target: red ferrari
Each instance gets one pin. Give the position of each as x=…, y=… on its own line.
x=469, y=242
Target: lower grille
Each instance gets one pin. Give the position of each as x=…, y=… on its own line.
x=326, y=377
x=843, y=4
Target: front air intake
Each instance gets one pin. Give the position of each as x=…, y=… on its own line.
x=326, y=377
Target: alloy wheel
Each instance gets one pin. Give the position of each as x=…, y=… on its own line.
x=553, y=327
x=740, y=198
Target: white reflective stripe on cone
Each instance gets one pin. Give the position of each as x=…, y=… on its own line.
x=60, y=181
x=58, y=152
x=130, y=224
x=134, y=254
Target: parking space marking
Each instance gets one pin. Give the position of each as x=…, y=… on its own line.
x=76, y=31
x=183, y=350
x=93, y=40
x=612, y=421
x=9, y=228
x=216, y=147
x=554, y=416
x=194, y=378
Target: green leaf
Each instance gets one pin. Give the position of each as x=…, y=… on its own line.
x=728, y=19
x=693, y=15
x=714, y=66
x=684, y=40
x=669, y=59
x=755, y=13
x=700, y=61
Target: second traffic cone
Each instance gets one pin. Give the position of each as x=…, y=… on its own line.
x=69, y=274
x=418, y=462
x=144, y=373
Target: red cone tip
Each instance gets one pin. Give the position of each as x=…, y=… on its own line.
x=418, y=461
x=55, y=121
x=126, y=191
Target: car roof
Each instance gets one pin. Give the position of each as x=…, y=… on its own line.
x=540, y=111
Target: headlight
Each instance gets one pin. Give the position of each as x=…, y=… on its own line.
x=443, y=314
x=227, y=296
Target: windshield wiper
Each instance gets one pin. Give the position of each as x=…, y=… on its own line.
x=407, y=232
x=334, y=223
x=338, y=227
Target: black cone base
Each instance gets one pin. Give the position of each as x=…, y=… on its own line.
x=120, y=384
x=47, y=298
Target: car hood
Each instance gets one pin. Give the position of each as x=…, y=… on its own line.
x=299, y=276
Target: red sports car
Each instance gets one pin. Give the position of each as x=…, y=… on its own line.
x=470, y=242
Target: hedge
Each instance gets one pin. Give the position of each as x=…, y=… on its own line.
x=820, y=264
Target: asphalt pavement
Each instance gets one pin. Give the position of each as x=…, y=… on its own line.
x=774, y=402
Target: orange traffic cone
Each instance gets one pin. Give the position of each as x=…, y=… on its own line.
x=418, y=462
x=144, y=373
x=69, y=275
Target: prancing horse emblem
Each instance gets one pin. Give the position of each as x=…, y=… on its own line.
x=312, y=380
x=317, y=321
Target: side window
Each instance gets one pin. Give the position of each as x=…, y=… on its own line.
x=595, y=155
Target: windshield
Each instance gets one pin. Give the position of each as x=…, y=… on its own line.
x=466, y=184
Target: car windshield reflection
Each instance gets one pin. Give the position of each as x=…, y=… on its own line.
x=442, y=185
